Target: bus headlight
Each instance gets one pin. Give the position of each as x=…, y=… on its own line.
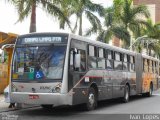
x=57, y=89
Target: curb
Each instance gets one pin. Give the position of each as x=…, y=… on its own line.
x=16, y=109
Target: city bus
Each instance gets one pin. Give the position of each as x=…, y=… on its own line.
x=56, y=69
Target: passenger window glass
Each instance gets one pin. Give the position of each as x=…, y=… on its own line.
x=92, y=62
x=91, y=50
x=110, y=64
x=132, y=67
x=101, y=53
x=117, y=56
x=110, y=54
x=101, y=63
x=83, y=60
x=125, y=66
x=145, y=62
x=131, y=59
x=117, y=65
x=153, y=67
x=125, y=58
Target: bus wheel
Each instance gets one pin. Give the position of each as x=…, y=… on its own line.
x=126, y=94
x=47, y=107
x=149, y=94
x=91, y=99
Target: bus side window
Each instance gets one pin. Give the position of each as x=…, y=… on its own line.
x=118, y=61
x=150, y=66
x=156, y=64
x=159, y=70
x=83, y=60
x=125, y=62
x=101, y=59
x=110, y=59
x=153, y=67
x=92, y=56
x=132, y=64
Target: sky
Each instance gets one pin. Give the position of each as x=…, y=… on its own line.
x=45, y=23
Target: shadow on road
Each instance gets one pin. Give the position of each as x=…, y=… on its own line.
x=65, y=111
x=118, y=101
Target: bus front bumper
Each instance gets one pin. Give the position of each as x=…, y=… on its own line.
x=55, y=99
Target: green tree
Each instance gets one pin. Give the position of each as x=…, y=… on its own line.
x=111, y=27
x=123, y=20
x=152, y=39
x=132, y=17
x=28, y=7
x=79, y=9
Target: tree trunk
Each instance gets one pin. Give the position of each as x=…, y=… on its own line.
x=33, y=19
x=80, y=25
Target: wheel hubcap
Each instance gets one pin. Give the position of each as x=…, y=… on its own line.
x=150, y=91
x=91, y=99
x=127, y=94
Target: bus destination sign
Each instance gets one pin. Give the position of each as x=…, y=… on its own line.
x=33, y=40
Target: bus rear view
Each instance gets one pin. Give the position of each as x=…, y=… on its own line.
x=38, y=74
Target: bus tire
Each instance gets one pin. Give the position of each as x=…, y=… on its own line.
x=91, y=99
x=149, y=94
x=126, y=94
x=47, y=107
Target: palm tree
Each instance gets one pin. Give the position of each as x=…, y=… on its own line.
x=66, y=8
x=112, y=29
x=122, y=20
x=152, y=39
x=152, y=30
x=28, y=7
x=79, y=8
x=131, y=16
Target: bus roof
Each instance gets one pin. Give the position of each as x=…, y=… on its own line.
x=94, y=42
x=104, y=45
x=42, y=33
x=149, y=57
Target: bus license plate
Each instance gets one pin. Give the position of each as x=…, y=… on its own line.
x=33, y=96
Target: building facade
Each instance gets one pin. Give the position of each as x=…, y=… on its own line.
x=153, y=6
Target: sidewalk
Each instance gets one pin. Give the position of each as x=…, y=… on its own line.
x=3, y=104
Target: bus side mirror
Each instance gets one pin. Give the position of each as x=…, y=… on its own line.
x=3, y=56
x=71, y=58
x=77, y=60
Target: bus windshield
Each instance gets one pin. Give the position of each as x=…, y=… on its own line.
x=38, y=62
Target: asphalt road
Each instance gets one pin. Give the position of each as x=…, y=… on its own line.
x=139, y=108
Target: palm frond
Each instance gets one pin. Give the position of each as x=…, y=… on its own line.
x=23, y=8
x=54, y=9
x=121, y=33
x=94, y=7
x=109, y=16
x=94, y=20
x=140, y=11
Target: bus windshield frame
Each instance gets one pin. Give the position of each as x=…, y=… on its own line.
x=41, y=62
